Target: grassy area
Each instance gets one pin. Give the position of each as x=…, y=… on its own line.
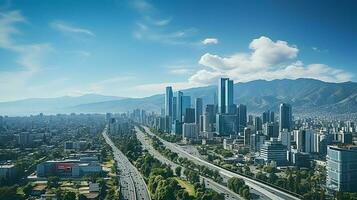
x=188, y=187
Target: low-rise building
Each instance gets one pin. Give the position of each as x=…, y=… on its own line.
x=274, y=151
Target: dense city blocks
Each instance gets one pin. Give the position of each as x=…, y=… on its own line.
x=178, y=100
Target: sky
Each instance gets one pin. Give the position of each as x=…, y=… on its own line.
x=135, y=48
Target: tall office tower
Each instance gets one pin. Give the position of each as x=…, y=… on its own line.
x=256, y=141
x=285, y=138
x=342, y=168
x=207, y=126
x=272, y=116
x=225, y=96
x=174, y=108
x=210, y=112
x=268, y=116
x=247, y=133
x=226, y=124
x=285, y=117
x=230, y=107
x=299, y=136
x=168, y=102
x=189, y=116
x=242, y=117
x=250, y=120
x=258, y=124
x=271, y=130
x=179, y=106
x=198, y=108
x=186, y=103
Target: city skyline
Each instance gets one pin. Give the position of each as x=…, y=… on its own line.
x=79, y=53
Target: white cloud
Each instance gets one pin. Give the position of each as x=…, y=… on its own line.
x=152, y=27
x=210, y=41
x=30, y=57
x=267, y=52
x=150, y=33
x=65, y=28
x=267, y=60
x=181, y=71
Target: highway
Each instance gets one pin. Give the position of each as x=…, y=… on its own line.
x=132, y=185
x=229, y=195
x=268, y=191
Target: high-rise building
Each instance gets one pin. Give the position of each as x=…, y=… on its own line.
x=285, y=138
x=168, y=102
x=226, y=124
x=247, y=133
x=242, y=117
x=258, y=124
x=271, y=130
x=179, y=106
x=206, y=124
x=225, y=96
x=174, y=108
x=186, y=103
x=189, y=115
x=250, y=120
x=285, y=117
x=256, y=141
x=190, y=131
x=198, y=108
x=210, y=111
x=342, y=168
x=268, y=116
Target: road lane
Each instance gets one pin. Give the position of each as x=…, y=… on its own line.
x=268, y=191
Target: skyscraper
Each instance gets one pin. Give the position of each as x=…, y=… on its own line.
x=268, y=116
x=198, y=109
x=229, y=97
x=242, y=117
x=186, y=103
x=179, y=106
x=189, y=115
x=174, y=108
x=225, y=95
x=168, y=101
x=285, y=117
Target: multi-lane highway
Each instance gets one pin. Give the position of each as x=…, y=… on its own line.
x=132, y=185
x=229, y=195
x=268, y=191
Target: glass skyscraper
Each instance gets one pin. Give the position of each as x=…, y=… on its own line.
x=225, y=96
x=285, y=117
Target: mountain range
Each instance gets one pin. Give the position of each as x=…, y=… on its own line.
x=305, y=95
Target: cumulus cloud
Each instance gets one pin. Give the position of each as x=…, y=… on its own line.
x=267, y=60
x=210, y=41
x=65, y=28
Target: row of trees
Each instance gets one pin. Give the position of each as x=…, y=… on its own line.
x=238, y=186
x=201, y=169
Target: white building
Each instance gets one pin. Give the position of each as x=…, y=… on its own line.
x=190, y=131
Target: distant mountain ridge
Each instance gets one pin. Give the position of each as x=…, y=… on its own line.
x=50, y=105
x=305, y=95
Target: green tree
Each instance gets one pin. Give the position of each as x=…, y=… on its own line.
x=53, y=181
x=68, y=195
x=9, y=193
x=27, y=189
x=178, y=171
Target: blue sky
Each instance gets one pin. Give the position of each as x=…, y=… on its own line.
x=135, y=48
